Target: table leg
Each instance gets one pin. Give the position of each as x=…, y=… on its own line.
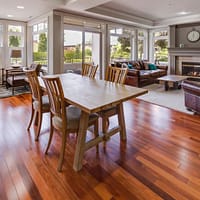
x=179, y=85
x=121, y=120
x=80, y=146
x=166, y=85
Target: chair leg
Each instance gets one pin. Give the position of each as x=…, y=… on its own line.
x=62, y=151
x=31, y=119
x=50, y=135
x=39, y=125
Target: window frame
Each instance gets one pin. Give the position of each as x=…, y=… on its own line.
x=114, y=31
x=153, y=38
x=38, y=32
x=144, y=38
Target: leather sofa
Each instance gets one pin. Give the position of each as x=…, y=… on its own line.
x=191, y=89
x=139, y=74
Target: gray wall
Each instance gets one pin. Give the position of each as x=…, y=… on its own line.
x=178, y=35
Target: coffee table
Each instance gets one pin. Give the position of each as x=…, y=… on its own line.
x=175, y=80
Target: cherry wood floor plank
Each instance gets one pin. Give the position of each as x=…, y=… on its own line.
x=7, y=188
x=159, y=160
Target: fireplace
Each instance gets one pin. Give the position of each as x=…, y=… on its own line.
x=191, y=69
x=184, y=59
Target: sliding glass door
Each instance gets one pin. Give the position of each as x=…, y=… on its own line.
x=81, y=47
x=92, y=50
x=72, y=51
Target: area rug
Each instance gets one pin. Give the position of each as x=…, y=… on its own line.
x=173, y=98
x=8, y=92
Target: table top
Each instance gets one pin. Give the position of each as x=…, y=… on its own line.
x=172, y=78
x=92, y=95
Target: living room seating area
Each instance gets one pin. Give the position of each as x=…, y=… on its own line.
x=141, y=73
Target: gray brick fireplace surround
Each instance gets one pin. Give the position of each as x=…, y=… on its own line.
x=178, y=56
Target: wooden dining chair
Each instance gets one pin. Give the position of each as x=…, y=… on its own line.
x=89, y=70
x=116, y=75
x=40, y=102
x=64, y=119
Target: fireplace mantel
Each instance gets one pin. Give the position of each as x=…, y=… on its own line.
x=174, y=53
x=184, y=51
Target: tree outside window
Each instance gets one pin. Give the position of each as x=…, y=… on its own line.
x=40, y=44
x=14, y=41
x=120, y=45
x=161, y=46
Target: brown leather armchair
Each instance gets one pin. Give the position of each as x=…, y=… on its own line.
x=191, y=89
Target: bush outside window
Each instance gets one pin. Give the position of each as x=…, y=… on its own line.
x=40, y=37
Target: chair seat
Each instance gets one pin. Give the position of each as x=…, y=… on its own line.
x=45, y=104
x=20, y=79
x=73, y=118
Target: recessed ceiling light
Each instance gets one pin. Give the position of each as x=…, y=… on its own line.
x=20, y=7
x=183, y=13
x=71, y=1
x=10, y=15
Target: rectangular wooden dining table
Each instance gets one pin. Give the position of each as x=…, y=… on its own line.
x=91, y=96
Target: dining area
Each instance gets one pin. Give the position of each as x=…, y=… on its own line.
x=78, y=103
x=119, y=147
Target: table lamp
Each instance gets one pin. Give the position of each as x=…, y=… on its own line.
x=16, y=54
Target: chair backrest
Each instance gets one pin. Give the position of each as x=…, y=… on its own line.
x=56, y=96
x=89, y=70
x=36, y=67
x=34, y=84
x=116, y=74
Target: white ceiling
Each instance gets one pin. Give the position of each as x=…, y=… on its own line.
x=146, y=12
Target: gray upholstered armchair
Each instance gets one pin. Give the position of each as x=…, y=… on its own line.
x=191, y=89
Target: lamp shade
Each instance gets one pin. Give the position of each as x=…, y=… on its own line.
x=16, y=54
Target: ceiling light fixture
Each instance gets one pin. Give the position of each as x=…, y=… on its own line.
x=183, y=13
x=10, y=15
x=20, y=7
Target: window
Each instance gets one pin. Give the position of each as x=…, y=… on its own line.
x=1, y=45
x=142, y=45
x=15, y=42
x=1, y=35
x=160, y=45
x=40, y=54
x=120, y=44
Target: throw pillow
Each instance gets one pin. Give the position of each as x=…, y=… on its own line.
x=146, y=65
x=118, y=64
x=152, y=66
x=124, y=65
x=141, y=64
x=137, y=65
x=130, y=66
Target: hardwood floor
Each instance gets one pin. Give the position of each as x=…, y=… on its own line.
x=160, y=160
